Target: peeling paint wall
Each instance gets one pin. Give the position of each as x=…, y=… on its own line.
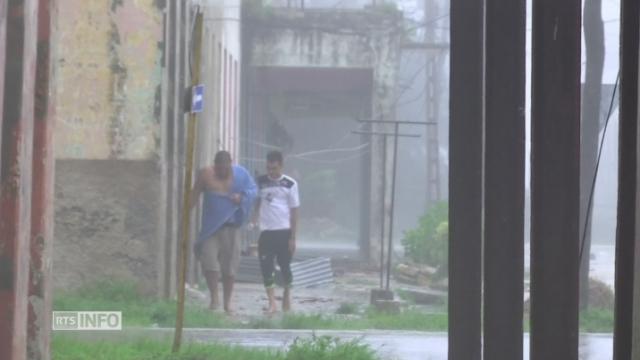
x=109, y=66
x=107, y=141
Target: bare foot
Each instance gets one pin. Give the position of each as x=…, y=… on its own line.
x=271, y=310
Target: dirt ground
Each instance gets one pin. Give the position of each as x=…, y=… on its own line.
x=349, y=287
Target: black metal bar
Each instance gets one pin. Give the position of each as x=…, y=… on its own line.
x=382, y=208
x=627, y=181
x=385, y=134
x=392, y=205
x=465, y=179
x=504, y=179
x=555, y=170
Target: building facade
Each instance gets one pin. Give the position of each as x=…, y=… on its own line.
x=123, y=69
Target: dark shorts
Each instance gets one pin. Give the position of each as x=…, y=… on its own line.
x=273, y=246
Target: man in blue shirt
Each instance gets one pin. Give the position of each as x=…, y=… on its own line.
x=229, y=192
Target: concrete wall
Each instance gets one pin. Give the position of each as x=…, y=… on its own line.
x=106, y=219
x=221, y=72
x=107, y=141
x=366, y=39
x=109, y=66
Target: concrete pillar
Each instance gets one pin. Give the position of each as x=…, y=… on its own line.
x=15, y=176
x=555, y=178
x=39, y=316
x=627, y=181
x=465, y=179
x=386, y=50
x=504, y=179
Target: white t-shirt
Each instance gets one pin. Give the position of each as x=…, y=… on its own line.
x=277, y=198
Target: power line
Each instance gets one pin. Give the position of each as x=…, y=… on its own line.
x=595, y=175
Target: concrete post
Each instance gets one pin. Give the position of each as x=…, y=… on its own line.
x=15, y=176
x=386, y=50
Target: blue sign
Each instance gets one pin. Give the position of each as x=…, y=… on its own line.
x=197, y=99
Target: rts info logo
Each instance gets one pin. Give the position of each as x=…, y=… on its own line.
x=87, y=320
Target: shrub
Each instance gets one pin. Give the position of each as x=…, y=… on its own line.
x=329, y=348
x=428, y=243
x=347, y=309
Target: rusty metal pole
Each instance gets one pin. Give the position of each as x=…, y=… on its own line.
x=555, y=179
x=3, y=43
x=465, y=179
x=15, y=176
x=627, y=180
x=505, y=78
x=39, y=315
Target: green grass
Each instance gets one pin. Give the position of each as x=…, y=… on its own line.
x=137, y=310
x=347, y=309
x=317, y=348
x=371, y=320
x=70, y=349
x=597, y=321
x=591, y=321
x=329, y=348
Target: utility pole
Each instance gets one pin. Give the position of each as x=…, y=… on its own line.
x=386, y=293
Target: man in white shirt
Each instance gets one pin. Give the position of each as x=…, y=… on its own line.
x=277, y=215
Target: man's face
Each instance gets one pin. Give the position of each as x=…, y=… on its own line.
x=223, y=170
x=274, y=169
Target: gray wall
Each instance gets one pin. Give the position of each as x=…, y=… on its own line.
x=106, y=218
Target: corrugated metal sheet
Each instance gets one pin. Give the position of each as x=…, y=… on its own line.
x=306, y=273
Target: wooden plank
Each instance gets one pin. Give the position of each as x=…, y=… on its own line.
x=555, y=179
x=627, y=180
x=465, y=179
x=504, y=179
